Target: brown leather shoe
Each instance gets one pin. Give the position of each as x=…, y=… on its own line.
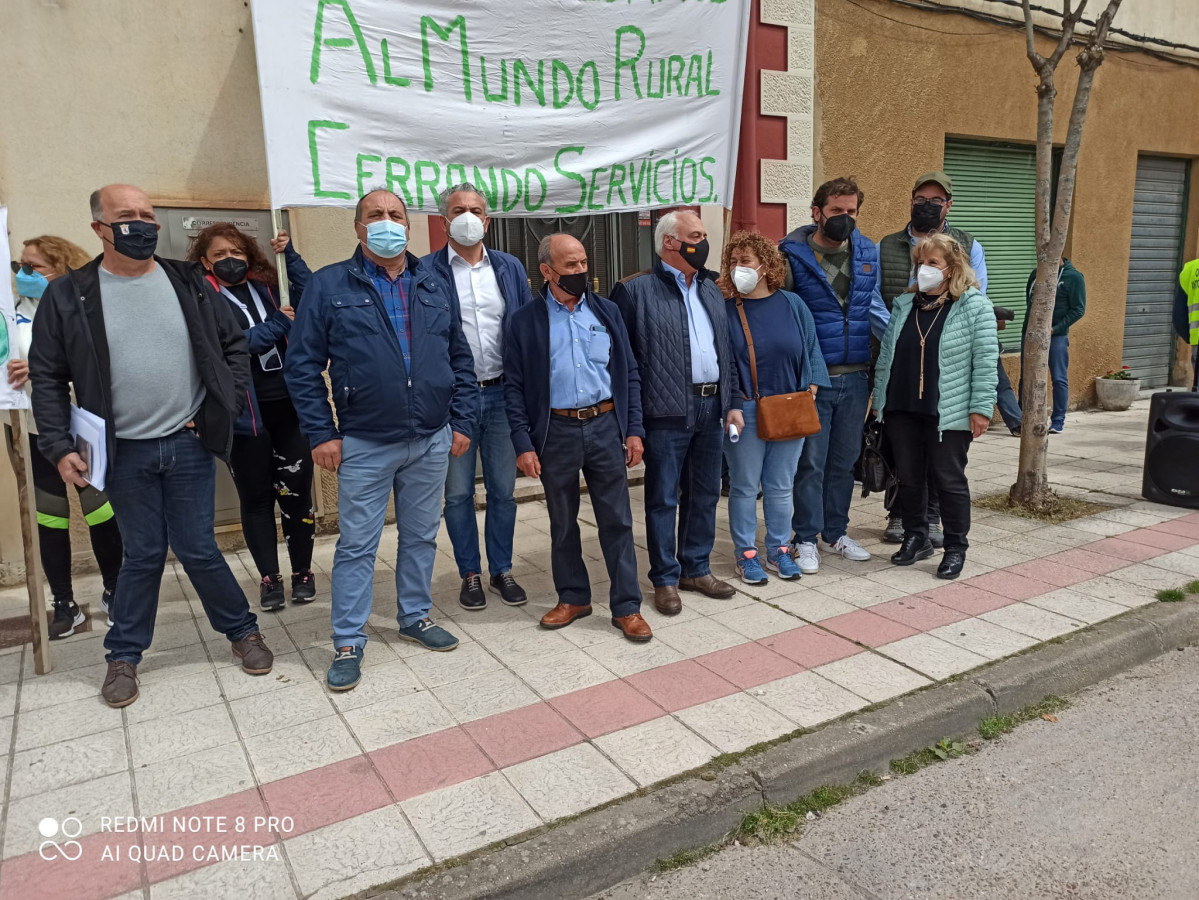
x=120, y=684
x=634, y=627
x=708, y=585
x=666, y=600
x=563, y=614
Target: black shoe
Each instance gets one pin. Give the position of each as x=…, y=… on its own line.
x=271, y=594
x=914, y=548
x=471, y=596
x=67, y=617
x=894, y=531
x=510, y=592
x=303, y=587
x=951, y=564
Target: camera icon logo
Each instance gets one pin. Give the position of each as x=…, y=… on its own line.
x=51, y=849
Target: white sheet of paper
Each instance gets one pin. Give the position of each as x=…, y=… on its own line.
x=90, y=435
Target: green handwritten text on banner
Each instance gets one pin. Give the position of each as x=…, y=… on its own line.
x=551, y=107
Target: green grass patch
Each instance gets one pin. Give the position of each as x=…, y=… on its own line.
x=1171, y=595
x=773, y=822
x=1192, y=587
x=684, y=858
x=993, y=726
x=1062, y=509
x=914, y=761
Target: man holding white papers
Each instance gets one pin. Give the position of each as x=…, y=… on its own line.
x=154, y=350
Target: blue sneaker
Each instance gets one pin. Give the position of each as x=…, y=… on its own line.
x=751, y=568
x=346, y=669
x=428, y=635
x=780, y=561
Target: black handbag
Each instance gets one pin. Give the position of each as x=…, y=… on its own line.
x=877, y=476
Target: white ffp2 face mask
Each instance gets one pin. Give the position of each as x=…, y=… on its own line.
x=467, y=229
x=929, y=278
x=745, y=279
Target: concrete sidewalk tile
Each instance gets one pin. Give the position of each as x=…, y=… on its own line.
x=756, y=621
x=681, y=684
x=206, y=833
x=385, y=681
x=1086, y=561
x=626, y=658
x=1033, y=621
x=437, y=669
x=523, y=734
x=430, y=762
x=1119, y=592
x=561, y=673
x=808, y=699
x=568, y=781
x=289, y=751
x=54, y=766
x=1156, y=540
x=701, y=635
x=75, y=719
x=1150, y=575
x=1142, y=518
x=347, y=857
x=270, y=711
x=813, y=606
x=748, y=665
x=965, y=597
x=82, y=649
x=1182, y=527
x=87, y=801
x=10, y=666
x=867, y=628
x=61, y=687
x=179, y=662
x=872, y=676
x=253, y=879
x=484, y=695
x=1178, y=562
x=1053, y=570
x=1124, y=549
x=289, y=670
x=995, y=555
x=195, y=730
x=983, y=638
x=810, y=646
x=466, y=816
x=62, y=879
x=1007, y=584
x=655, y=750
x=606, y=708
x=918, y=612
x=934, y=657
x=1104, y=527
x=735, y=722
x=595, y=629
x=179, y=695
x=319, y=797
x=861, y=592
x=396, y=719
x=191, y=779
x=913, y=579
x=1074, y=605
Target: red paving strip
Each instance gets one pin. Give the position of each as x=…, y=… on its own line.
x=350, y=788
x=234, y=811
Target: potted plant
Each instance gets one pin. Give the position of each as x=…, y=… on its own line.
x=1116, y=390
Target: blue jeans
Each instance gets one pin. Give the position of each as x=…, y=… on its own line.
x=163, y=494
x=682, y=475
x=1059, y=372
x=1005, y=399
x=771, y=464
x=824, y=477
x=493, y=440
x=369, y=473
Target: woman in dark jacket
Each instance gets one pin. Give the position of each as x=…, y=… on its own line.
x=270, y=460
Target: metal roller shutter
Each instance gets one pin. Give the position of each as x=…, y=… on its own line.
x=994, y=197
x=1154, y=260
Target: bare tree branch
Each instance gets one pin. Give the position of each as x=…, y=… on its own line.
x=1070, y=20
x=1033, y=56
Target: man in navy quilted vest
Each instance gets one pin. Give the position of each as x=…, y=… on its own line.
x=833, y=267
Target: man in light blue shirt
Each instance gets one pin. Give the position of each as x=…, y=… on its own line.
x=579, y=347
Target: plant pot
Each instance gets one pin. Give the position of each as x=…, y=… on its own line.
x=1117, y=393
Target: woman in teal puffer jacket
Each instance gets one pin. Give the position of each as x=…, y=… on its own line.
x=935, y=392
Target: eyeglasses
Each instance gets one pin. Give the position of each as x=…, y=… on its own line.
x=27, y=268
x=934, y=202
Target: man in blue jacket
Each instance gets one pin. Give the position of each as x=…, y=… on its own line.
x=833, y=268
x=489, y=286
x=574, y=404
x=403, y=380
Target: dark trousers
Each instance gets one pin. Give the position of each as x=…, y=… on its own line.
x=920, y=454
x=275, y=466
x=682, y=481
x=163, y=491
x=593, y=447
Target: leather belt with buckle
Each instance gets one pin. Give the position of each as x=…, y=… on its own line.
x=711, y=389
x=499, y=379
x=587, y=412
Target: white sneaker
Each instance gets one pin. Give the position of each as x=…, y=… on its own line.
x=847, y=547
x=808, y=557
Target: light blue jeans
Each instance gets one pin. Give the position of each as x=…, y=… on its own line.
x=771, y=464
x=369, y=473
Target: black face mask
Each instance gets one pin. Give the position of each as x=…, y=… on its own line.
x=695, y=255
x=926, y=218
x=135, y=239
x=838, y=228
x=574, y=284
x=231, y=270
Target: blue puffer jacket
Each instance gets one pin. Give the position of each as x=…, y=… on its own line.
x=343, y=322
x=844, y=334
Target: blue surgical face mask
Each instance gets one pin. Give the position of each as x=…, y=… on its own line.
x=31, y=284
x=386, y=239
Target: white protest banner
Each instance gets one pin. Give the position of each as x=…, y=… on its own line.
x=550, y=107
x=10, y=342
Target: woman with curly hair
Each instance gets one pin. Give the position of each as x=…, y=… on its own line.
x=270, y=459
x=934, y=391
x=775, y=351
x=42, y=260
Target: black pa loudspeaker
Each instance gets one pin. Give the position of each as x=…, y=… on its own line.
x=1172, y=450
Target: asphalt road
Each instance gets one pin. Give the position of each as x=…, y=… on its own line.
x=1102, y=804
